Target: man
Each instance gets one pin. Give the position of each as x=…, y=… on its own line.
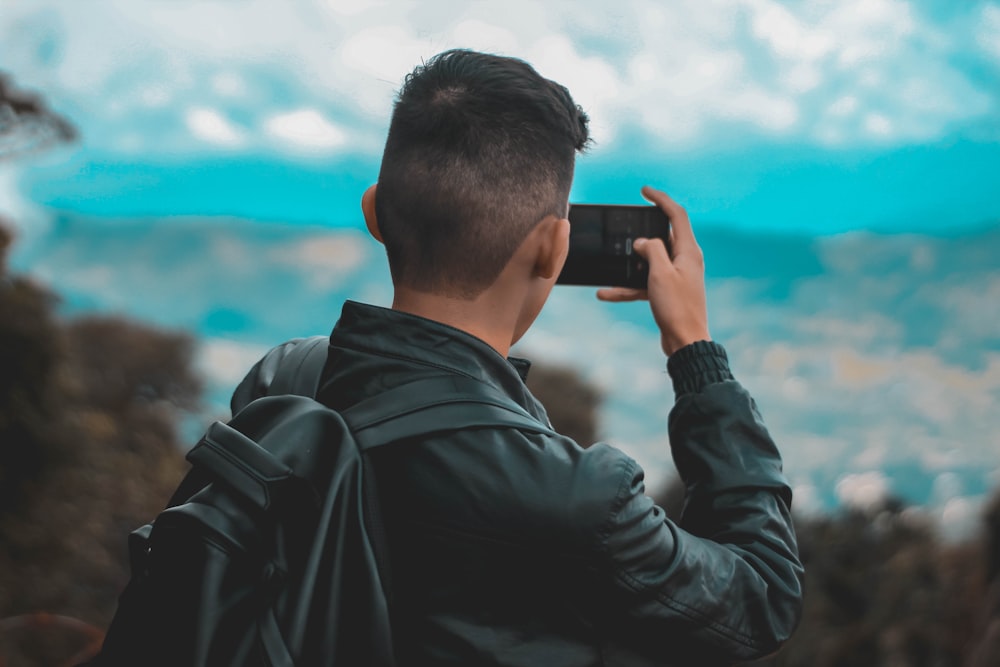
x=514, y=548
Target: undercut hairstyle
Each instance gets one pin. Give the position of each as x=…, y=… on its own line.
x=480, y=149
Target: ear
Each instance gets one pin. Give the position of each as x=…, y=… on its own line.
x=553, y=248
x=368, y=208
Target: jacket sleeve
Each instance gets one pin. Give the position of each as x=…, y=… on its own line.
x=725, y=584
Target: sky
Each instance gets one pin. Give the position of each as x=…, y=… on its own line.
x=823, y=116
x=840, y=160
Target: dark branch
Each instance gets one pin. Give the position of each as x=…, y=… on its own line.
x=27, y=124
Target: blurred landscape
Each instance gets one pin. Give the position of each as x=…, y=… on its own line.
x=875, y=358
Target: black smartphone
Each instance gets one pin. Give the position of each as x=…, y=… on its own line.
x=600, y=244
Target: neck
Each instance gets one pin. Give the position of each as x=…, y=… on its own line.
x=501, y=313
x=486, y=317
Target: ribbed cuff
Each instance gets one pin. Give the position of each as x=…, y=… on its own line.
x=697, y=365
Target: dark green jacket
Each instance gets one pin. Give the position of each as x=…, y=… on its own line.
x=511, y=548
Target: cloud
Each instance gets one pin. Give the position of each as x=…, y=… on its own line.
x=592, y=81
x=878, y=125
x=13, y=205
x=684, y=72
x=229, y=84
x=374, y=60
x=960, y=518
x=27, y=220
x=306, y=129
x=891, y=63
x=863, y=490
x=787, y=35
x=324, y=260
x=212, y=126
x=224, y=363
x=988, y=35
x=806, y=500
x=843, y=106
x=973, y=305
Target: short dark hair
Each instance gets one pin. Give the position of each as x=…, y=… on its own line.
x=480, y=149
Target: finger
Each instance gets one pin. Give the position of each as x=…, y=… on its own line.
x=682, y=234
x=622, y=294
x=652, y=250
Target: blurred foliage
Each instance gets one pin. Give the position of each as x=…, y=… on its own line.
x=570, y=401
x=29, y=352
x=89, y=450
x=882, y=589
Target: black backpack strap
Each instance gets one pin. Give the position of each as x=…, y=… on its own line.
x=298, y=373
x=300, y=369
x=436, y=405
x=417, y=409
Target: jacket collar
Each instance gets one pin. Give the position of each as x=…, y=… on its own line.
x=427, y=345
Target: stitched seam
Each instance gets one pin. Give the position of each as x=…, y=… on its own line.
x=535, y=426
x=605, y=530
x=633, y=583
x=689, y=611
x=236, y=461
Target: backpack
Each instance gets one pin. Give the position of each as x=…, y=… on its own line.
x=271, y=552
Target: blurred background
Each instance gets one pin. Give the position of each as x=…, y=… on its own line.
x=179, y=191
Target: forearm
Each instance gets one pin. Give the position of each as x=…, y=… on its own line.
x=737, y=496
x=720, y=444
